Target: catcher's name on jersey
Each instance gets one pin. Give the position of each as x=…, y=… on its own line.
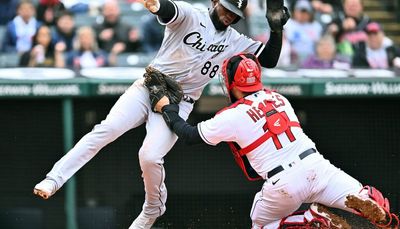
x=255, y=113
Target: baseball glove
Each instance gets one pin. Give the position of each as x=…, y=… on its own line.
x=277, y=15
x=159, y=85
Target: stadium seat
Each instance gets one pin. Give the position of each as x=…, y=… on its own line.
x=9, y=60
x=2, y=33
x=131, y=8
x=134, y=19
x=83, y=19
x=134, y=59
x=258, y=25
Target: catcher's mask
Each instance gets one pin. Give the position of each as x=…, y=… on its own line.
x=242, y=71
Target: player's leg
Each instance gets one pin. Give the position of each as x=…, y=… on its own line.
x=340, y=190
x=158, y=141
x=283, y=194
x=279, y=197
x=128, y=112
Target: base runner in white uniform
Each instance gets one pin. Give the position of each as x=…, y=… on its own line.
x=268, y=143
x=194, y=46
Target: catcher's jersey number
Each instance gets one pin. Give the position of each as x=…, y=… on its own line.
x=209, y=69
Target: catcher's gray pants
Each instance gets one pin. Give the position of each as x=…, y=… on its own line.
x=131, y=110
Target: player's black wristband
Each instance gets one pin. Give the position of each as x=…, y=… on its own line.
x=166, y=11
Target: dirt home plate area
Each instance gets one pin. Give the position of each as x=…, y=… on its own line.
x=203, y=213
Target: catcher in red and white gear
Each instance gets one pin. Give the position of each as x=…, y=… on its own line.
x=268, y=143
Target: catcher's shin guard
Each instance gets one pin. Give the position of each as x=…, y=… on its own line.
x=317, y=216
x=323, y=218
x=371, y=204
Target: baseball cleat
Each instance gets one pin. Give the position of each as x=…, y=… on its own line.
x=372, y=205
x=45, y=188
x=327, y=219
x=367, y=207
x=142, y=222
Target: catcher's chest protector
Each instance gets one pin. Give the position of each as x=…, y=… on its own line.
x=276, y=123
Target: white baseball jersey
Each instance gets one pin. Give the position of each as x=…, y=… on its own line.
x=193, y=50
x=244, y=124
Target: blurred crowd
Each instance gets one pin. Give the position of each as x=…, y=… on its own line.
x=45, y=33
x=320, y=34
x=337, y=34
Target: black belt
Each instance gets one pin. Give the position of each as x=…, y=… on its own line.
x=186, y=98
x=279, y=168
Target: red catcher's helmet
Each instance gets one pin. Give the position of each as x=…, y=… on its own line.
x=242, y=71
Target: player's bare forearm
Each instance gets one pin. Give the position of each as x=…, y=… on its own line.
x=161, y=103
x=152, y=5
x=163, y=8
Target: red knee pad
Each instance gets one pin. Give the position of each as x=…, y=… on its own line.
x=316, y=222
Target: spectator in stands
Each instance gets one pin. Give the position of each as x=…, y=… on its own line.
x=326, y=56
x=19, y=32
x=43, y=52
x=135, y=40
x=153, y=32
x=86, y=53
x=302, y=31
x=49, y=10
x=348, y=29
x=112, y=35
x=65, y=30
x=8, y=9
x=328, y=6
x=327, y=10
x=83, y=6
x=377, y=52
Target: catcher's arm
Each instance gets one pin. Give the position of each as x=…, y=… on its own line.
x=170, y=112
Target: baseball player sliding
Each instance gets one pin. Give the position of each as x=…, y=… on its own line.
x=194, y=46
x=268, y=143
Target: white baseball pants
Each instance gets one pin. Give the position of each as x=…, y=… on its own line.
x=313, y=179
x=131, y=110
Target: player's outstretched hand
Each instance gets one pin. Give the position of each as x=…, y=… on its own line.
x=152, y=5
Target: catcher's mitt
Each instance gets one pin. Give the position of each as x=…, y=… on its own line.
x=160, y=85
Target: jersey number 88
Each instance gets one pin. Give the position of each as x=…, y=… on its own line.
x=206, y=69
